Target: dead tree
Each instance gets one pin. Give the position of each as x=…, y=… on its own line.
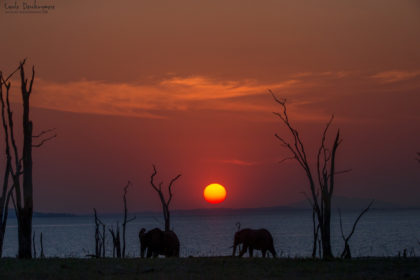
x=19, y=164
x=6, y=189
x=41, y=255
x=346, y=254
x=33, y=246
x=315, y=228
x=321, y=185
x=165, y=203
x=99, y=237
x=126, y=220
x=116, y=241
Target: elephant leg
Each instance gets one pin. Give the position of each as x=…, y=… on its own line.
x=251, y=251
x=264, y=252
x=149, y=253
x=244, y=248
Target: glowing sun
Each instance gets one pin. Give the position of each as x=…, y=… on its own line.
x=214, y=193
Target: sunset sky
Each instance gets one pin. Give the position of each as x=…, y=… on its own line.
x=183, y=85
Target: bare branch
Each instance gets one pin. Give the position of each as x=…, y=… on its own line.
x=337, y=142
x=170, y=189
x=43, y=132
x=358, y=218
x=342, y=171
x=341, y=225
x=286, y=159
x=287, y=145
x=32, y=80
x=152, y=177
x=4, y=81
x=44, y=140
x=322, y=151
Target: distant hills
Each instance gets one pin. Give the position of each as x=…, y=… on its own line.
x=344, y=203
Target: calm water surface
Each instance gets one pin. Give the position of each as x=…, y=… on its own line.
x=379, y=233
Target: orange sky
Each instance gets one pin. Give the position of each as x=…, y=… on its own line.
x=183, y=84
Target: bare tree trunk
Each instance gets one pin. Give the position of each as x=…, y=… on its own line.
x=126, y=220
x=25, y=213
x=6, y=191
x=326, y=230
x=99, y=239
x=116, y=241
x=33, y=245
x=103, y=240
x=124, y=224
x=316, y=227
x=41, y=255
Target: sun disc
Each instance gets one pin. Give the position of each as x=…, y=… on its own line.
x=214, y=193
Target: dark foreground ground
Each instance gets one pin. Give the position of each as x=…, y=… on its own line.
x=210, y=268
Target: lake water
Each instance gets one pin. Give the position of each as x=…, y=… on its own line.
x=379, y=233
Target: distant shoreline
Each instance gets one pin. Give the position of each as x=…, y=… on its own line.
x=339, y=202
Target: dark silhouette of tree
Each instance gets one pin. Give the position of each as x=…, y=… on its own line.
x=116, y=241
x=119, y=250
x=6, y=190
x=19, y=165
x=321, y=185
x=41, y=255
x=126, y=220
x=99, y=237
x=315, y=233
x=165, y=203
x=346, y=254
x=33, y=246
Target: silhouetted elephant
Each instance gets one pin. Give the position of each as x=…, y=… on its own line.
x=259, y=239
x=158, y=242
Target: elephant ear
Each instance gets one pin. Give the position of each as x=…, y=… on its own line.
x=142, y=231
